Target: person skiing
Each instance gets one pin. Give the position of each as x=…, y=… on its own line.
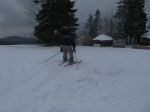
x=67, y=45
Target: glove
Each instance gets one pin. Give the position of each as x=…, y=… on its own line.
x=61, y=49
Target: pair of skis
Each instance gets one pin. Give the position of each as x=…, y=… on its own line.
x=68, y=64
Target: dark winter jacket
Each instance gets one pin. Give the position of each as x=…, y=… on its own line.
x=68, y=41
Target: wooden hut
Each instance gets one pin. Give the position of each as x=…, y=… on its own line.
x=103, y=40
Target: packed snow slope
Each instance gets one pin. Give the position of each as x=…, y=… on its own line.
x=108, y=80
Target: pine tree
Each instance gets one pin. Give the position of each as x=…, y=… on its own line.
x=96, y=23
x=111, y=27
x=136, y=19
x=89, y=26
x=121, y=14
x=108, y=25
x=88, y=29
x=54, y=15
x=132, y=16
x=93, y=25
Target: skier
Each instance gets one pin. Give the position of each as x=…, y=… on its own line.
x=67, y=45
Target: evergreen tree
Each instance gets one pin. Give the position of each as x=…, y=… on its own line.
x=96, y=23
x=89, y=26
x=132, y=18
x=93, y=25
x=54, y=15
x=136, y=19
x=121, y=14
x=111, y=27
x=108, y=25
x=88, y=30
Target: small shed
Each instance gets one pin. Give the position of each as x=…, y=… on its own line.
x=103, y=40
x=145, y=39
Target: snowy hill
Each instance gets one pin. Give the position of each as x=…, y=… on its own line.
x=108, y=80
x=14, y=40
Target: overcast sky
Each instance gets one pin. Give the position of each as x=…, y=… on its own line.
x=13, y=20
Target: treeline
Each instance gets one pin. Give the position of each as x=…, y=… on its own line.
x=128, y=23
x=95, y=25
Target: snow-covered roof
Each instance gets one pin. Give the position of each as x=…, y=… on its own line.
x=103, y=37
x=146, y=35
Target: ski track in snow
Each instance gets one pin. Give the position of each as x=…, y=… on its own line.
x=108, y=80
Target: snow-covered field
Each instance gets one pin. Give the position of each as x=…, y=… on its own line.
x=108, y=80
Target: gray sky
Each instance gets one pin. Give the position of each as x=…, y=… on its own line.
x=13, y=20
x=89, y=6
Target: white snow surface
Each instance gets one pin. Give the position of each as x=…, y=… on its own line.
x=108, y=80
x=103, y=37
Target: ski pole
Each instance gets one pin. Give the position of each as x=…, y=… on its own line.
x=51, y=57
